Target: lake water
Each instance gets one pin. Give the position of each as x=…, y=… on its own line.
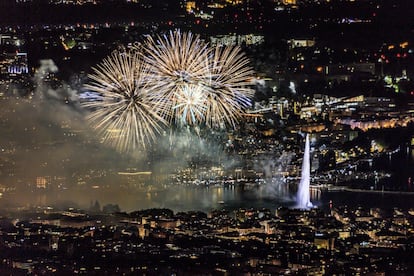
x=184, y=198
x=200, y=198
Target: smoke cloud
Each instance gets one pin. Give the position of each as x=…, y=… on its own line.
x=276, y=185
x=46, y=139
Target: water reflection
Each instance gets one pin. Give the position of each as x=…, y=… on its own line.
x=270, y=195
x=198, y=198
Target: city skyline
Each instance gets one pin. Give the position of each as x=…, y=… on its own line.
x=304, y=86
x=203, y=176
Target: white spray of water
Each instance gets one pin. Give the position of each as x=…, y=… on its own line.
x=303, y=195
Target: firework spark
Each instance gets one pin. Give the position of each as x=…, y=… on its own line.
x=127, y=115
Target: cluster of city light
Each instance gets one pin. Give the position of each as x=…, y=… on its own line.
x=377, y=123
x=175, y=79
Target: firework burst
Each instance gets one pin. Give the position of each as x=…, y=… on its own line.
x=228, y=89
x=175, y=79
x=127, y=115
x=202, y=84
x=176, y=60
x=190, y=105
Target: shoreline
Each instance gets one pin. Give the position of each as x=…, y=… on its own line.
x=347, y=189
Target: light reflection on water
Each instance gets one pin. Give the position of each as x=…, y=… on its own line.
x=197, y=198
x=185, y=198
x=177, y=198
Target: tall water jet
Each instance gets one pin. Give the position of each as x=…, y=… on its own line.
x=303, y=194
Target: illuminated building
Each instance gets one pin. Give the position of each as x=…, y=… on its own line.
x=190, y=6
x=299, y=43
x=54, y=242
x=324, y=240
x=350, y=68
x=76, y=2
x=43, y=182
x=234, y=2
x=17, y=65
x=9, y=40
x=13, y=61
x=233, y=39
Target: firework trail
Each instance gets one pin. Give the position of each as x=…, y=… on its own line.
x=127, y=113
